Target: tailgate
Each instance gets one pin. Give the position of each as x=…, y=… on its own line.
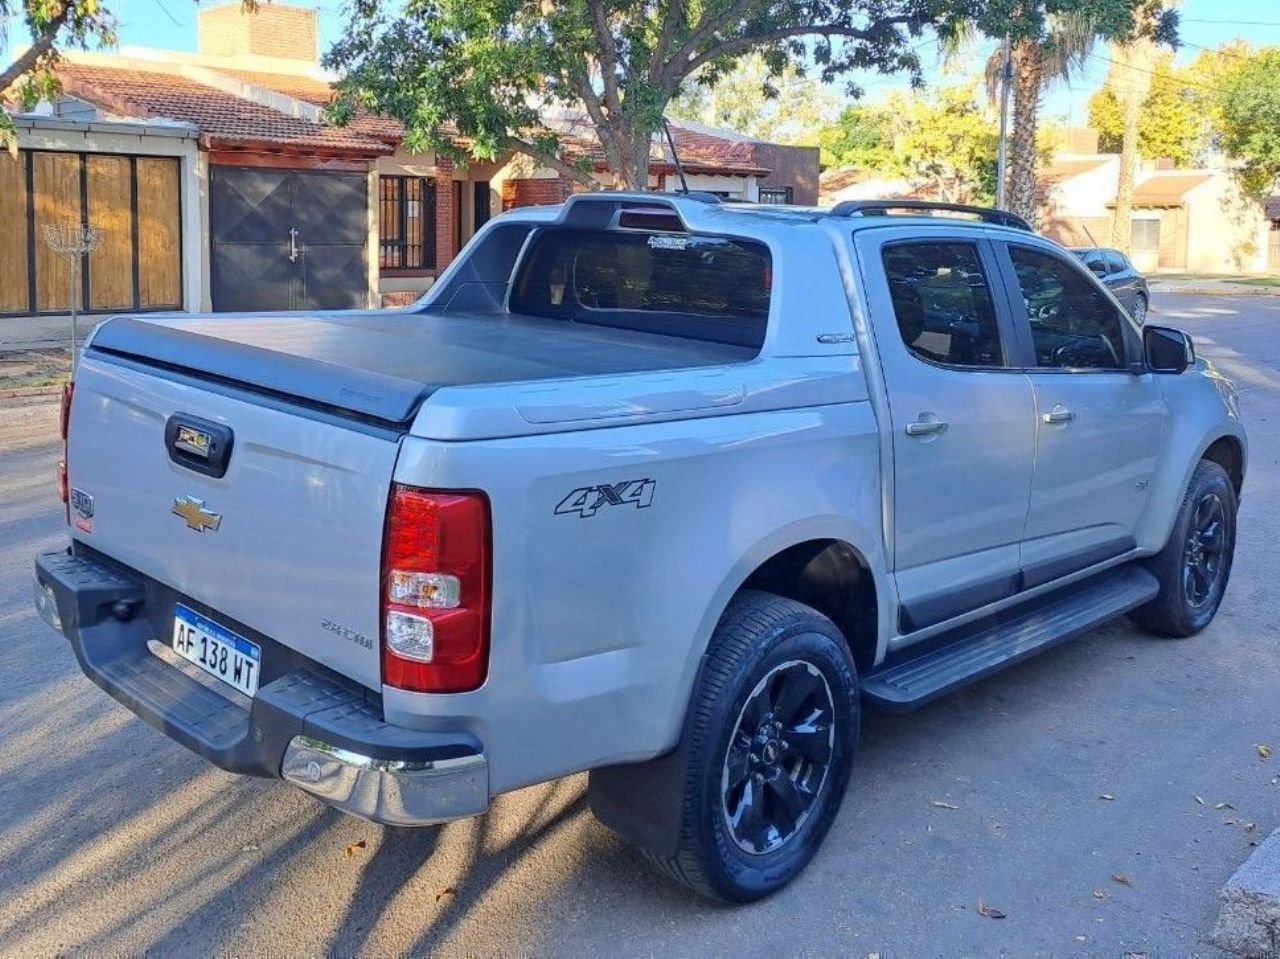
x=297, y=551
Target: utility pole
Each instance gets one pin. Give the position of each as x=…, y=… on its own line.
x=1006, y=82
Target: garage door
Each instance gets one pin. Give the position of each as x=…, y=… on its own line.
x=288, y=239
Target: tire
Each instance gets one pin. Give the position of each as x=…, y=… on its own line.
x=1189, y=598
x=768, y=655
x=1140, y=309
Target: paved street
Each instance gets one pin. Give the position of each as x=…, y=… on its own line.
x=1098, y=795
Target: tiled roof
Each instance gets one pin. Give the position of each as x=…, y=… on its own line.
x=1063, y=170
x=1167, y=189
x=223, y=119
x=318, y=93
x=699, y=153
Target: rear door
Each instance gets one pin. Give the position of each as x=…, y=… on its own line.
x=963, y=419
x=1099, y=416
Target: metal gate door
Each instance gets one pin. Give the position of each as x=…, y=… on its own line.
x=287, y=239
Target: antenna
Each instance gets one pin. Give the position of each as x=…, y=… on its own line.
x=671, y=141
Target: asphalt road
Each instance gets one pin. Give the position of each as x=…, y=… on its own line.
x=1089, y=789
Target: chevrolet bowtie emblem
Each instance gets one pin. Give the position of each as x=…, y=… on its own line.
x=198, y=518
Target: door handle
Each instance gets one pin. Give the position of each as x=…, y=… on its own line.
x=293, y=246
x=1059, y=414
x=926, y=428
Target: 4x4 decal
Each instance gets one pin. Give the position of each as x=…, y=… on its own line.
x=587, y=500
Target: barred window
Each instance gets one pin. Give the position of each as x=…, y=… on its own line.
x=406, y=223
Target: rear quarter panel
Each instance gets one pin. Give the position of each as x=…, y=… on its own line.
x=601, y=615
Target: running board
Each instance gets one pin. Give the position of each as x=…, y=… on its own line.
x=979, y=649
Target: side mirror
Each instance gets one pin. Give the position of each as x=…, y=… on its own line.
x=1100, y=272
x=1166, y=349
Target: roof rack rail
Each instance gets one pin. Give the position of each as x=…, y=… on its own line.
x=885, y=207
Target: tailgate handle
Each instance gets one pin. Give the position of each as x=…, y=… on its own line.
x=197, y=444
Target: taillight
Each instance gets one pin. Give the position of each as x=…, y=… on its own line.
x=435, y=591
x=64, y=427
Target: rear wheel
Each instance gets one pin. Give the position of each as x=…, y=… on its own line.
x=1195, y=564
x=772, y=730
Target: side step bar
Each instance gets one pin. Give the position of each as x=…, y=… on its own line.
x=975, y=651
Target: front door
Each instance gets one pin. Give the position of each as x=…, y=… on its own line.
x=963, y=419
x=287, y=239
x=1098, y=419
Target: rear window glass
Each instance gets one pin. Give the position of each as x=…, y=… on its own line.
x=701, y=287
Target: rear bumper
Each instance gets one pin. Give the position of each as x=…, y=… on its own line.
x=304, y=725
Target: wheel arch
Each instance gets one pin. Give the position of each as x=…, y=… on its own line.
x=1229, y=453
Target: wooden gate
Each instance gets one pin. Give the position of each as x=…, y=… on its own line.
x=134, y=200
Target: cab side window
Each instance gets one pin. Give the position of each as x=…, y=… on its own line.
x=1073, y=325
x=943, y=303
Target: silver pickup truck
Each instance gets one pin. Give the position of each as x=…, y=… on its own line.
x=653, y=486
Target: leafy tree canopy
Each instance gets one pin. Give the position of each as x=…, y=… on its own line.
x=493, y=74
x=74, y=23
x=1172, y=124
x=1248, y=112
x=750, y=99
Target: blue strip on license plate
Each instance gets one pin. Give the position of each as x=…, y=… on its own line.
x=216, y=650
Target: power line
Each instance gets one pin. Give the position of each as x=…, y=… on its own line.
x=1234, y=23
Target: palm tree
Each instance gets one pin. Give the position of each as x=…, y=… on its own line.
x=1038, y=62
x=1133, y=63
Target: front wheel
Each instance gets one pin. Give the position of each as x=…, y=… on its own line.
x=772, y=729
x=1140, y=309
x=1195, y=564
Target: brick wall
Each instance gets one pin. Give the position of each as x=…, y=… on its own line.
x=274, y=30
x=535, y=191
x=446, y=238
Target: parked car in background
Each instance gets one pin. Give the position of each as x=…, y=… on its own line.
x=1115, y=270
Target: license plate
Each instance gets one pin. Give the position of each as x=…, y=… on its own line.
x=216, y=649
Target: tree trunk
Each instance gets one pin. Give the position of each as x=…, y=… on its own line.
x=1131, y=80
x=632, y=169
x=1028, y=76
x=39, y=47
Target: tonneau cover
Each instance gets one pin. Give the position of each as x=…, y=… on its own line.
x=382, y=365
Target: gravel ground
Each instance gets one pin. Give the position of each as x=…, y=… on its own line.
x=1102, y=794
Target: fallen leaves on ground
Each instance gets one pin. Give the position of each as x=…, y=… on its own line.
x=1122, y=879
x=1264, y=750
x=1108, y=797
x=1200, y=800
x=446, y=891
x=1099, y=894
x=990, y=912
x=942, y=805
x=357, y=845
x=1224, y=805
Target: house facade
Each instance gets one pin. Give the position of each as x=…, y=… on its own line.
x=1197, y=221
x=217, y=184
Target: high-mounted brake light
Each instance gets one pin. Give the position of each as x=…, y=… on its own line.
x=435, y=591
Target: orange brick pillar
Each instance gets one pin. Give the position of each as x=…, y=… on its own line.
x=446, y=239
x=535, y=191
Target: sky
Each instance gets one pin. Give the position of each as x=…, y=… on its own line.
x=171, y=24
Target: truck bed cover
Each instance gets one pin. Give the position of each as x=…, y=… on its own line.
x=382, y=365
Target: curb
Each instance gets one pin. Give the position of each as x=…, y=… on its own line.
x=1213, y=290
x=1249, y=920
x=22, y=392
x=29, y=396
